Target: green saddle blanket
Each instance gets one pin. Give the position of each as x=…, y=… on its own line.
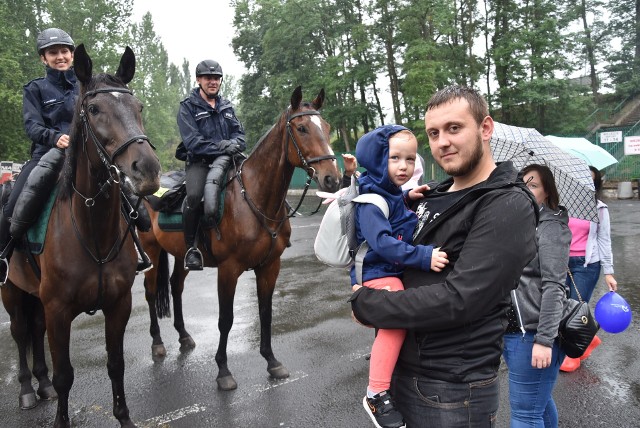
x=171, y=221
x=38, y=231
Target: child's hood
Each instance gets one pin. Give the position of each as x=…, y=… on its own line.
x=372, y=152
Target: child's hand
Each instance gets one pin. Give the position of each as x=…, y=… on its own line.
x=439, y=260
x=350, y=164
x=418, y=192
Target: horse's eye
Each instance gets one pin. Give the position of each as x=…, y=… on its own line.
x=92, y=109
x=302, y=129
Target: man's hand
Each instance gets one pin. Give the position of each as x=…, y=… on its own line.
x=229, y=147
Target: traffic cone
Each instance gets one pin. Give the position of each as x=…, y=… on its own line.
x=593, y=345
x=570, y=364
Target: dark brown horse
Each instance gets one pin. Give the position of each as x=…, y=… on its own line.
x=89, y=261
x=254, y=230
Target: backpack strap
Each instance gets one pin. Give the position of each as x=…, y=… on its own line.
x=380, y=202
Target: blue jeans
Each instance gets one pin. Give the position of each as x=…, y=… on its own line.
x=432, y=403
x=585, y=278
x=530, y=388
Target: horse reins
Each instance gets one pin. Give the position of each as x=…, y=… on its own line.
x=115, y=176
x=306, y=164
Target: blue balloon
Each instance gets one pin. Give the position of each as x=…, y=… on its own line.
x=613, y=313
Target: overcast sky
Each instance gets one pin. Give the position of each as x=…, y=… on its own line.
x=193, y=29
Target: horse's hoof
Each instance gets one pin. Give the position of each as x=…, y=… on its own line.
x=279, y=372
x=227, y=383
x=158, y=352
x=47, y=393
x=28, y=401
x=187, y=343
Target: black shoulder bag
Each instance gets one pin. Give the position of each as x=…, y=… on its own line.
x=577, y=327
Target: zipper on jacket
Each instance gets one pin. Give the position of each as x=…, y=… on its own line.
x=515, y=302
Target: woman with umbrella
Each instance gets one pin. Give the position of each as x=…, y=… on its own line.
x=590, y=253
x=531, y=346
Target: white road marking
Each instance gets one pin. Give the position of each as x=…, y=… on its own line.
x=173, y=416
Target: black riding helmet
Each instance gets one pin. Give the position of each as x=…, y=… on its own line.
x=208, y=66
x=51, y=37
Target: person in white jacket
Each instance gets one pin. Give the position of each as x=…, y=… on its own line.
x=589, y=255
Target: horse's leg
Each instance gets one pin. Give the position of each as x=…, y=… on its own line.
x=40, y=370
x=266, y=277
x=59, y=320
x=116, y=318
x=227, y=282
x=177, y=287
x=15, y=302
x=151, y=278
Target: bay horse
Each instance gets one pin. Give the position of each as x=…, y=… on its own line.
x=253, y=233
x=88, y=262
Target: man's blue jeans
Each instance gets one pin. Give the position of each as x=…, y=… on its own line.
x=431, y=403
x=585, y=278
x=530, y=388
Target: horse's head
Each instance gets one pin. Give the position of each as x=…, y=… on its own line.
x=109, y=122
x=309, y=135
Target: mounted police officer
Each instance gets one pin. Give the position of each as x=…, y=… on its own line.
x=48, y=107
x=211, y=135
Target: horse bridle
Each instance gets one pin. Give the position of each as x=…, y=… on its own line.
x=306, y=163
x=115, y=177
x=87, y=130
x=311, y=172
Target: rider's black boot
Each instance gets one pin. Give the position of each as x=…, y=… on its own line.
x=213, y=186
x=6, y=247
x=33, y=196
x=193, y=257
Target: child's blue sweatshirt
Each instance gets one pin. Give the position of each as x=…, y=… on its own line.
x=389, y=239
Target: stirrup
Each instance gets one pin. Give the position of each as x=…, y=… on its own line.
x=186, y=256
x=144, y=265
x=4, y=271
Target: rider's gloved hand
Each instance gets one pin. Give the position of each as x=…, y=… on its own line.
x=229, y=147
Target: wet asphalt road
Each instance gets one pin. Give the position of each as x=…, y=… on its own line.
x=314, y=337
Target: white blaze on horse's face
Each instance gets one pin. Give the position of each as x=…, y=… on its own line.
x=116, y=94
x=316, y=120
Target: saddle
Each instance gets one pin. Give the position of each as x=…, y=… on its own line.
x=168, y=201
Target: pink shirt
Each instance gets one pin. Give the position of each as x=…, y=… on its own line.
x=580, y=232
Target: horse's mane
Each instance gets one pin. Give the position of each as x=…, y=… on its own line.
x=76, y=132
x=282, y=121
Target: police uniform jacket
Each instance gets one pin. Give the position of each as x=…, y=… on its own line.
x=48, y=107
x=203, y=127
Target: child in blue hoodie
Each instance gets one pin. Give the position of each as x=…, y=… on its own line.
x=389, y=154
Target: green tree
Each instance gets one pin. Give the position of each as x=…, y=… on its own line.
x=624, y=63
x=13, y=143
x=160, y=87
x=100, y=24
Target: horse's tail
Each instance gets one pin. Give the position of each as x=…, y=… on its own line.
x=163, y=293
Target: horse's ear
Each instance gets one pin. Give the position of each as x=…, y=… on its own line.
x=296, y=98
x=127, y=67
x=82, y=64
x=317, y=103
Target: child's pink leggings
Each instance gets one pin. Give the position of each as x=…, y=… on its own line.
x=387, y=344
